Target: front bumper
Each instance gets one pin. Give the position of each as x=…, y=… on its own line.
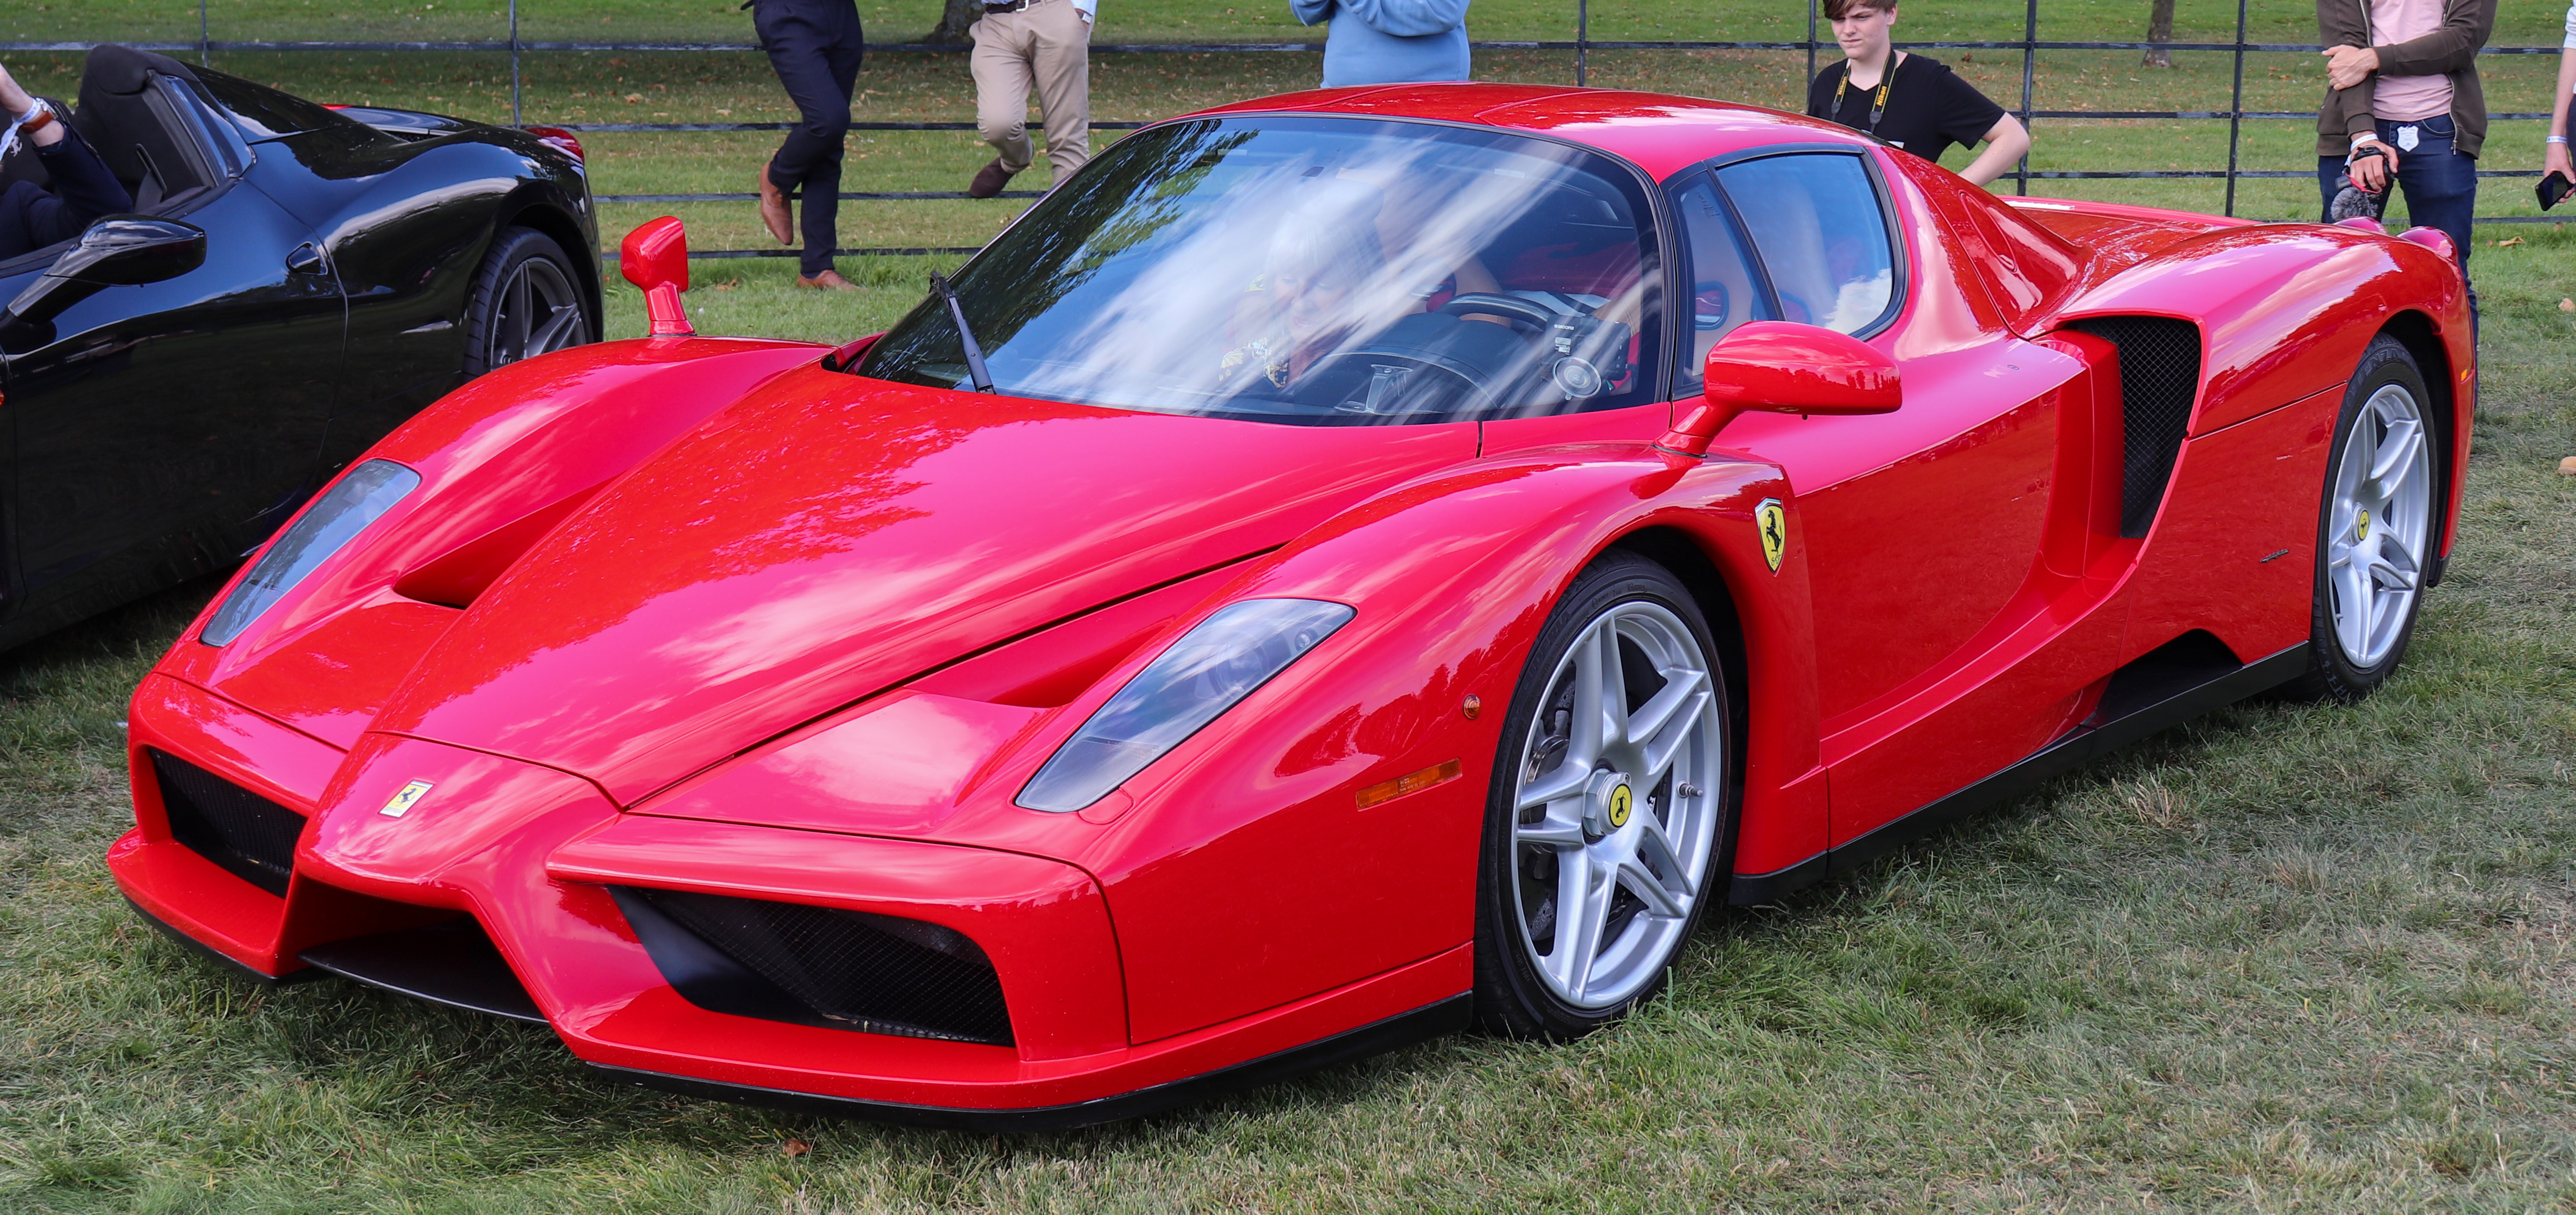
x=528, y=859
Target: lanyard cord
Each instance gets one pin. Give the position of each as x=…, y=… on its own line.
x=1877, y=105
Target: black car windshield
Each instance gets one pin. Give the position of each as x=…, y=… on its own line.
x=1313, y=270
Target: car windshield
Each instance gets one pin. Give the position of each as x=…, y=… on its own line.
x=1312, y=270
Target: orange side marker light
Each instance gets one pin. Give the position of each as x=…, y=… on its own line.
x=1413, y=782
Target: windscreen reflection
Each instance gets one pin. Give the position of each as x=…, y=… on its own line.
x=1323, y=271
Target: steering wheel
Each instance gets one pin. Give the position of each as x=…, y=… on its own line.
x=1512, y=307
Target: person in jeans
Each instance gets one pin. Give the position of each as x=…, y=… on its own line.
x=816, y=46
x=1025, y=43
x=2402, y=78
x=2553, y=155
x=1389, y=41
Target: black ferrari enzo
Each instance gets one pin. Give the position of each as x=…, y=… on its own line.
x=299, y=279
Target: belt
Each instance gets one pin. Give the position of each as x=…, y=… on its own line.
x=1007, y=6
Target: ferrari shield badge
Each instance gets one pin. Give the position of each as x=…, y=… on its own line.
x=401, y=802
x=1773, y=522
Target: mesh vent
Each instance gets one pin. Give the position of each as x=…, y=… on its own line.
x=251, y=837
x=847, y=969
x=2159, y=379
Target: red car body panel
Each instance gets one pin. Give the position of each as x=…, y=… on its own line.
x=694, y=614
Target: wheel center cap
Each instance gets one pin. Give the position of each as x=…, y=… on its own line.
x=2362, y=525
x=1613, y=802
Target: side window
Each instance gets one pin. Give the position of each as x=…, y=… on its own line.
x=1815, y=220
x=1724, y=291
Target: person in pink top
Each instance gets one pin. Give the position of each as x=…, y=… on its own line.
x=2404, y=105
x=2553, y=155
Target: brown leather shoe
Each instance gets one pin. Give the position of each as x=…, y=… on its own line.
x=773, y=209
x=829, y=280
x=989, y=180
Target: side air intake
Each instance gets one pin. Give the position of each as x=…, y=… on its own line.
x=251, y=837
x=2159, y=380
x=819, y=965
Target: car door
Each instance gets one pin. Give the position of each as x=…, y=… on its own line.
x=1923, y=528
x=169, y=427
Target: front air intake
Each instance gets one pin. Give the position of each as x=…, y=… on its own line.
x=2159, y=381
x=251, y=837
x=819, y=965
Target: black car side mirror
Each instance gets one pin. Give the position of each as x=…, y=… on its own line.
x=118, y=251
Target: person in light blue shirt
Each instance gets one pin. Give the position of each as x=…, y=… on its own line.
x=1389, y=41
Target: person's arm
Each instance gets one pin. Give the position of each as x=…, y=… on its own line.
x=1409, y=18
x=2553, y=157
x=1311, y=12
x=15, y=101
x=2006, y=143
x=2451, y=47
x=1088, y=8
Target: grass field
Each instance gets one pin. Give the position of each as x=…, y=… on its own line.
x=2288, y=958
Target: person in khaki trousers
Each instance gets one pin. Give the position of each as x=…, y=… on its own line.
x=1020, y=43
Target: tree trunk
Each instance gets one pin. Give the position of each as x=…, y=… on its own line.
x=2159, y=29
x=959, y=14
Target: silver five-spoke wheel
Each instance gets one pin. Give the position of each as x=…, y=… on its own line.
x=1617, y=812
x=2379, y=524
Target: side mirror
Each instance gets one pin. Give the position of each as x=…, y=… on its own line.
x=1781, y=367
x=655, y=257
x=118, y=251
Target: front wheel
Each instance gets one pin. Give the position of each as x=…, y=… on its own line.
x=524, y=303
x=2375, y=529
x=1609, y=821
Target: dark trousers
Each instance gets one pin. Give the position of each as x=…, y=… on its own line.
x=816, y=45
x=2440, y=184
x=32, y=217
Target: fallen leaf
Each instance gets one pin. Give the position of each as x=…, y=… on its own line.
x=2507, y=244
x=2567, y=467
x=632, y=98
x=796, y=1147
x=2567, y=305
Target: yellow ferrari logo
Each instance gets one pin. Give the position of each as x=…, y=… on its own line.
x=2361, y=526
x=1773, y=522
x=401, y=803
x=1620, y=800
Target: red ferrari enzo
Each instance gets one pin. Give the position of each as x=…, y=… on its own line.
x=1343, y=566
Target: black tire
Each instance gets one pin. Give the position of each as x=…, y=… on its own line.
x=1512, y=998
x=2334, y=672
x=503, y=324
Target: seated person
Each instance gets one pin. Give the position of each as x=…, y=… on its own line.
x=32, y=217
x=1322, y=262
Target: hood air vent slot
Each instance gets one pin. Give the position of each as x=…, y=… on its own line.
x=249, y=836
x=819, y=965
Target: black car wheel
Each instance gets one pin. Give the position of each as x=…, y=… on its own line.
x=526, y=302
x=2376, y=528
x=1610, y=824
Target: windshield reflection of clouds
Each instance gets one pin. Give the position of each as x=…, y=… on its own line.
x=1342, y=271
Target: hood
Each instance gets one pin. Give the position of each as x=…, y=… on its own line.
x=831, y=536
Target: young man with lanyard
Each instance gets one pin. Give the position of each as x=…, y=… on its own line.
x=1907, y=100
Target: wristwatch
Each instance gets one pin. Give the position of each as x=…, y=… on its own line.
x=38, y=117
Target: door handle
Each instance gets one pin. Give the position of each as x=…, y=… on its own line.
x=305, y=260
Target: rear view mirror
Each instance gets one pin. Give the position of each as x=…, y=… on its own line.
x=655, y=257
x=118, y=251
x=1783, y=367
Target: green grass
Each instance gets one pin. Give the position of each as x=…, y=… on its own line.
x=2286, y=958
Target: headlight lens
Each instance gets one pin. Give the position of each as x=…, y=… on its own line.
x=1204, y=673
x=358, y=499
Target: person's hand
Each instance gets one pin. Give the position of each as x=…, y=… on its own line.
x=13, y=99
x=2555, y=161
x=2373, y=173
x=2347, y=66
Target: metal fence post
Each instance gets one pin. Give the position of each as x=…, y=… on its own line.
x=205, y=43
x=1809, y=82
x=1582, y=37
x=514, y=62
x=2029, y=67
x=2236, y=109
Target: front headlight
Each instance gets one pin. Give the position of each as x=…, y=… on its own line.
x=359, y=499
x=1204, y=673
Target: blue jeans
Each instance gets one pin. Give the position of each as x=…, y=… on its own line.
x=2441, y=185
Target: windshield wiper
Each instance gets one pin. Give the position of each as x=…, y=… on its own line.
x=965, y=335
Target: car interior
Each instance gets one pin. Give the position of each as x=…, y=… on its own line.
x=131, y=112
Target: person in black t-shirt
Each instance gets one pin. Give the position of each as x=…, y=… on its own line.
x=1909, y=101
